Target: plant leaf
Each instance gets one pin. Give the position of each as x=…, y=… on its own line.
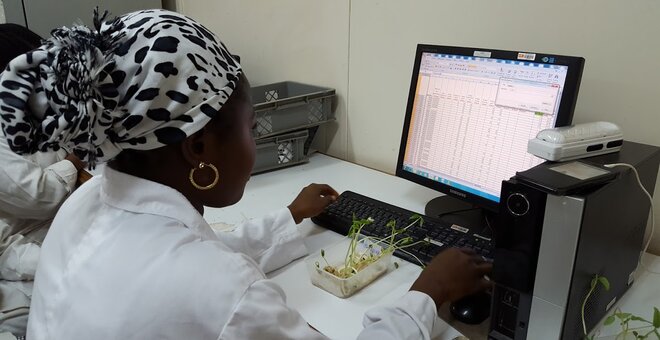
x=610, y=320
x=604, y=281
x=637, y=318
x=623, y=316
x=656, y=318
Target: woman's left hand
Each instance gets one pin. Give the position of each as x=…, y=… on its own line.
x=311, y=201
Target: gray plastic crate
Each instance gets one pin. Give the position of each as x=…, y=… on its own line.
x=287, y=106
x=280, y=151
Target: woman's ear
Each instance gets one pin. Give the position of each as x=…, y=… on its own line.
x=193, y=147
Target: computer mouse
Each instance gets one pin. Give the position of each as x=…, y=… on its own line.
x=472, y=309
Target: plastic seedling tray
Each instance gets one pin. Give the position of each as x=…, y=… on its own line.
x=335, y=256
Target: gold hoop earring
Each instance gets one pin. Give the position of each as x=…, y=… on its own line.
x=201, y=166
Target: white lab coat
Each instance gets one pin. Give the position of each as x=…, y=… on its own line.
x=127, y=258
x=31, y=189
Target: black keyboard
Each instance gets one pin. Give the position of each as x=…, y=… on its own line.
x=339, y=215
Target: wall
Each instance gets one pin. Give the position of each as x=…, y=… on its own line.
x=617, y=39
x=2, y=13
x=40, y=16
x=321, y=41
x=305, y=41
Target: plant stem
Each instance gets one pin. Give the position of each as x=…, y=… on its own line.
x=348, y=261
x=413, y=255
x=411, y=244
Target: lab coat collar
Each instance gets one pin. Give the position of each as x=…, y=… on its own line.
x=142, y=196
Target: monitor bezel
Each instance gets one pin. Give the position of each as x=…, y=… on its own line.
x=564, y=114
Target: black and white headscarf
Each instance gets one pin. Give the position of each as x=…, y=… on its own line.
x=140, y=81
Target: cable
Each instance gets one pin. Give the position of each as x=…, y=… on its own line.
x=648, y=242
x=487, y=226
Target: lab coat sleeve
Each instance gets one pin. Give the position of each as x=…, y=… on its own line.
x=411, y=317
x=272, y=241
x=29, y=191
x=262, y=313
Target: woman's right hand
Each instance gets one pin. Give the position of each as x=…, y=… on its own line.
x=311, y=201
x=453, y=274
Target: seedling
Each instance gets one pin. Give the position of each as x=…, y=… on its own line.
x=644, y=329
x=364, y=250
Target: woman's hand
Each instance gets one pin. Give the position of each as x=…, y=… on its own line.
x=453, y=274
x=77, y=163
x=311, y=201
x=83, y=176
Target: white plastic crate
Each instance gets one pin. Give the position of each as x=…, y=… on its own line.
x=281, y=151
x=288, y=106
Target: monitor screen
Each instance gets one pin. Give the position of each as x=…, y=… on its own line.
x=472, y=111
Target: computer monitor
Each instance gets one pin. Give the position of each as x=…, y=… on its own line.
x=470, y=114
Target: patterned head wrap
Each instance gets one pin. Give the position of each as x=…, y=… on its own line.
x=139, y=81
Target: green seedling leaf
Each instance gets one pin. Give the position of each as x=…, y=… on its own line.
x=637, y=318
x=604, y=281
x=656, y=318
x=622, y=315
x=396, y=265
x=322, y=252
x=610, y=320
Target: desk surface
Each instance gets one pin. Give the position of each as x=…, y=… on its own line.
x=342, y=318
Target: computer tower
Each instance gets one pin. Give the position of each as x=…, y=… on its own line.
x=550, y=242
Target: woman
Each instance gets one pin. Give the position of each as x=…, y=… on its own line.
x=32, y=187
x=129, y=255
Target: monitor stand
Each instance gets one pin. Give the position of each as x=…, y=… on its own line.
x=456, y=211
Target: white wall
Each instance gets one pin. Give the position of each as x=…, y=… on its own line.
x=620, y=77
x=2, y=13
x=365, y=50
x=617, y=38
x=305, y=41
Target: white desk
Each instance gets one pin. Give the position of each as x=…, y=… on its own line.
x=342, y=318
